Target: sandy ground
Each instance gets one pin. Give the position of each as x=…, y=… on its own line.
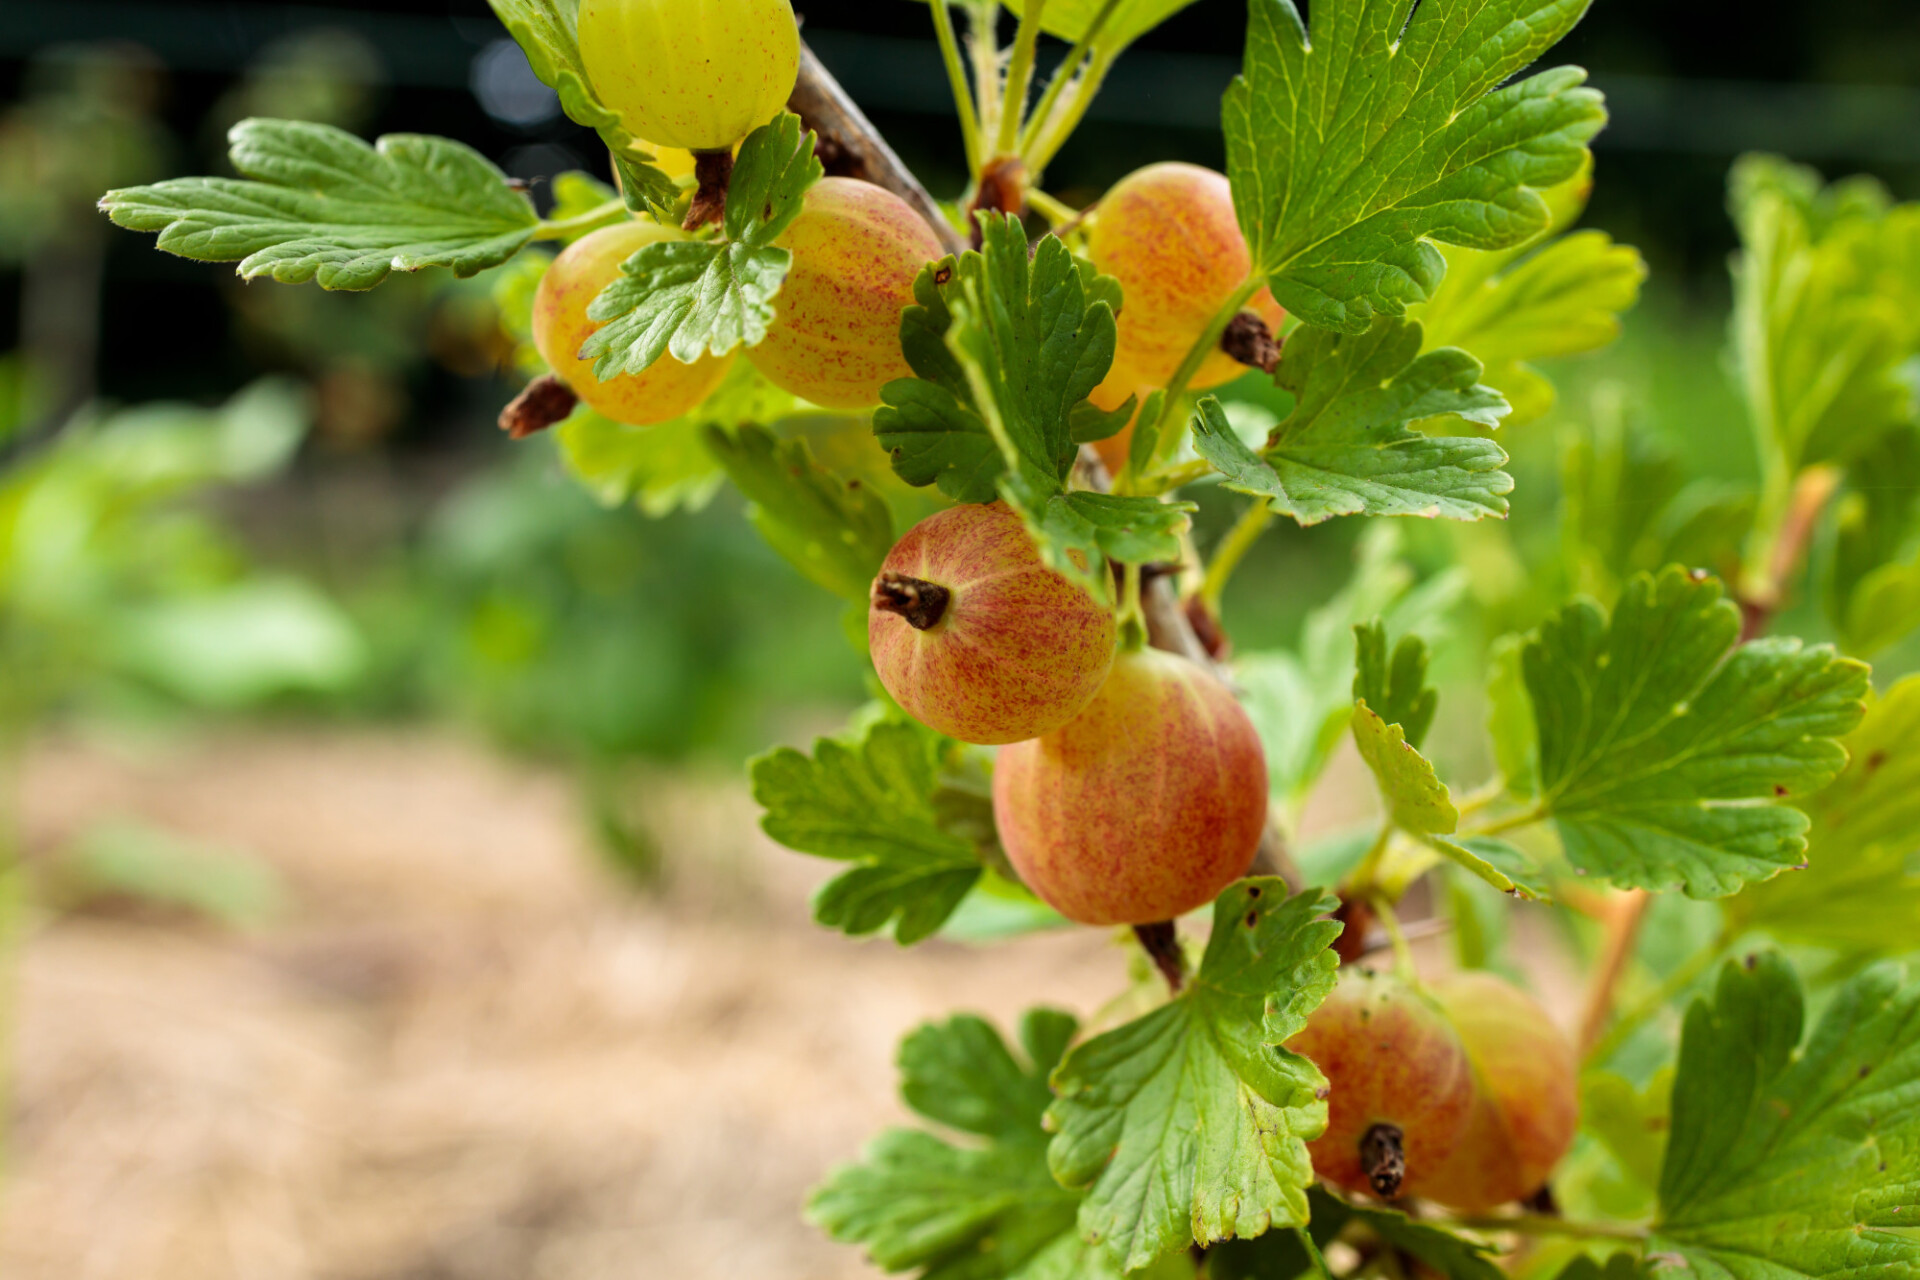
x=464, y=1052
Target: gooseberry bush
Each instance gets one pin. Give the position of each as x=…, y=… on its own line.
x=982, y=425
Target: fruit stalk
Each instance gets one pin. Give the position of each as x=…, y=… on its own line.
x=922, y=604
x=824, y=107
x=712, y=171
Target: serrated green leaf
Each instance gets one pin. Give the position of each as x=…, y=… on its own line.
x=1279, y=1255
x=1668, y=751
x=1350, y=150
x=1416, y=799
x=870, y=803
x=967, y=1213
x=707, y=297
x=1497, y=862
x=1396, y=689
x=834, y=532
x=1077, y=533
x=1621, y=1266
x=548, y=32
x=1860, y=891
x=928, y=423
x=1817, y=345
x=1190, y=1124
x=325, y=206
x=1792, y=1160
x=1346, y=449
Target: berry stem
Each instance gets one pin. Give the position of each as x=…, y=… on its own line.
x=1085, y=91
x=712, y=171
x=1314, y=1255
x=1232, y=550
x=592, y=220
x=1623, y=931
x=1208, y=340
x=1162, y=945
x=957, y=78
x=921, y=603
x=1013, y=101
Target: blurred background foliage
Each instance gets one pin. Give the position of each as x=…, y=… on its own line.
x=223, y=499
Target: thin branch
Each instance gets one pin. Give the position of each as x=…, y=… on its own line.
x=1623, y=930
x=859, y=150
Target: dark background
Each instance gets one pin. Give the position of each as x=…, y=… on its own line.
x=1691, y=84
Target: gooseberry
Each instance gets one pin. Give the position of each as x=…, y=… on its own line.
x=835, y=338
x=976, y=638
x=1527, y=1104
x=1400, y=1086
x=694, y=74
x=667, y=388
x=1169, y=235
x=1144, y=806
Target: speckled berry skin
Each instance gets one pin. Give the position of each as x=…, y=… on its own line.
x=1168, y=234
x=1527, y=1104
x=695, y=74
x=1390, y=1057
x=1142, y=808
x=835, y=337
x=667, y=389
x=1019, y=651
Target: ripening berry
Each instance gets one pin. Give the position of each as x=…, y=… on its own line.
x=835, y=337
x=1527, y=1105
x=662, y=392
x=976, y=638
x=1143, y=807
x=695, y=74
x=1401, y=1089
x=1168, y=234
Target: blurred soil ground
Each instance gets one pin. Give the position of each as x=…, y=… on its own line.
x=465, y=1051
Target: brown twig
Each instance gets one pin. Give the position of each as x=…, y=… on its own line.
x=856, y=147
x=1759, y=602
x=1623, y=931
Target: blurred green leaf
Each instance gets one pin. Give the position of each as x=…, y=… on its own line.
x=1396, y=690
x=327, y=206
x=1495, y=861
x=1632, y=1122
x=118, y=860
x=1859, y=892
x=239, y=645
x=1416, y=799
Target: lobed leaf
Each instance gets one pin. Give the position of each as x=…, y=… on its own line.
x=870, y=802
x=1189, y=1124
x=1388, y=126
x=1397, y=690
x=1668, y=750
x=1417, y=801
x=1789, y=1159
x=320, y=204
x=1347, y=447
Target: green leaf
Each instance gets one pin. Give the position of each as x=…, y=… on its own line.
x=1004, y=346
x=1630, y=1121
x=1621, y=1266
x=548, y=32
x=326, y=206
x=1796, y=1160
x=1563, y=299
x=1350, y=150
x=1817, y=343
x=1497, y=862
x=870, y=802
x=1130, y=19
x=1189, y=1124
x=1077, y=533
x=662, y=468
x=989, y=1212
x=1347, y=449
x=1667, y=749
x=1417, y=800
x=1279, y=1255
x=1860, y=891
x=1510, y=719
x=706, y=297
x=834, y=532
x=1397, y=691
